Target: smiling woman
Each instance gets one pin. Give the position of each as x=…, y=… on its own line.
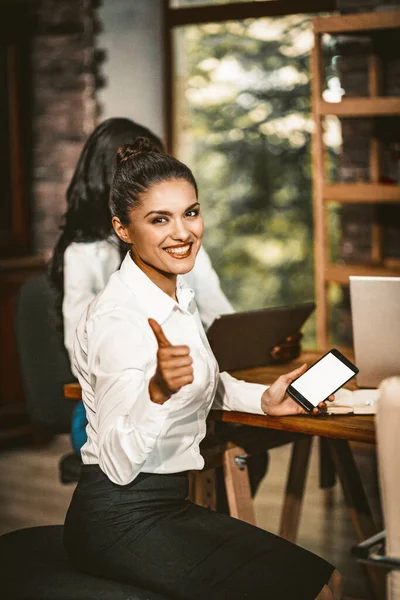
x=166, y=230
x=149, y=379
x=88, y=252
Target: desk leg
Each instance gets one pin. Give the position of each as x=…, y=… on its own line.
x=291, y=511
x=327, y=475
x=237, y=485
x=357, y=503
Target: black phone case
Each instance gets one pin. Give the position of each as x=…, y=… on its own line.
x=302, y=400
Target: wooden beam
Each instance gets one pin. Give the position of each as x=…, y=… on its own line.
x=168, y=77
x=321, y=249
x=294, y=493
x=357, y=22
x=341, y=273
x=360, y=107
x=361, y=192
x=375, y=84
x=246, y=10
x=375, y=72
x=202, y=488
x=237, y=486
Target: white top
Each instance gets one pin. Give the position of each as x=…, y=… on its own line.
x=88, y=267
x=115, y=357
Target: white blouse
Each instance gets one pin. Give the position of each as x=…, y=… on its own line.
x=115, y=358
x=88, y=267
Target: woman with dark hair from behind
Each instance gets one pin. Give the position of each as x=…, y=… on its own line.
x=88, y=251
x=149, y=379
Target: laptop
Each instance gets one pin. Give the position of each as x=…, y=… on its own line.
x=245, y=339
x=375, y=310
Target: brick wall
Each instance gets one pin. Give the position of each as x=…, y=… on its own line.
x=64, y=106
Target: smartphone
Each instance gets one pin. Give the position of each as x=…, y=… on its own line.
x=321, y=380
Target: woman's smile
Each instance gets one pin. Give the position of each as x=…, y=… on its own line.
x=180, y=251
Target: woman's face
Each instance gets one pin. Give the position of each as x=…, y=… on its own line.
x=165, y=229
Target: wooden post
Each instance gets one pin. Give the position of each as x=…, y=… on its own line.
x=375, y=90
x=237, y=485
x=202, y=488
x=320, y=238
x=293, y=502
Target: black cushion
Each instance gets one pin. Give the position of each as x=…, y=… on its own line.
x=34, y=566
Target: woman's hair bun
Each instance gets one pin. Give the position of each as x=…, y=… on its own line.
x=141, y=145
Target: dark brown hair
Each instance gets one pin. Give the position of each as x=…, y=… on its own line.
x=140, y=166
x=87, y=217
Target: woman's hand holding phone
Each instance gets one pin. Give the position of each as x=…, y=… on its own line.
x=276, y=402
x=174, y=367
x=322, y=380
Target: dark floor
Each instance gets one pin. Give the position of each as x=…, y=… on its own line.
x=31, y=494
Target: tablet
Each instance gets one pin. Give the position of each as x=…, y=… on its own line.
x=245, y=339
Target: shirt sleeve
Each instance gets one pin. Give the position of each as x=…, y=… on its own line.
x=210, y=299
x=78, y=290
x=234, y=394
x=128, y=422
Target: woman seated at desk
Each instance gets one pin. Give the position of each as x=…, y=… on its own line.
x=88, y=251
x=148, y=381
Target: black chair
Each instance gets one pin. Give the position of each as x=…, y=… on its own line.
x=34, y=566
x=45, y=366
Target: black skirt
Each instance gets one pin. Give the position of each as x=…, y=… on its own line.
x=149, y=534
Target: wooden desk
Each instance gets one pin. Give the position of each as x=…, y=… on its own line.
x=336, y=430
x=354, y=428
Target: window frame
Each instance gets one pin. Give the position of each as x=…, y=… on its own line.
x=217, y=13
x=16, y=35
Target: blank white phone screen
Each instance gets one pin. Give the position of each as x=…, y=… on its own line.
x=322, y=379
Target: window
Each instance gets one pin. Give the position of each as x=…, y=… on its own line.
x=242, y=121
x=243, y=124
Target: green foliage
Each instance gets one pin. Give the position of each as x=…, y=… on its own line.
x=247, y=138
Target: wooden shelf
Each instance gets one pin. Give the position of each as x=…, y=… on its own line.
x=341, y=273
x=375, y=105
x=361, y=107
x=358, y=22
x=360, y=192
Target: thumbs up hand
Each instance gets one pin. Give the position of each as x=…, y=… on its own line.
x=174, y=367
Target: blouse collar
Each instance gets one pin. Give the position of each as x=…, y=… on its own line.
x=157, y=303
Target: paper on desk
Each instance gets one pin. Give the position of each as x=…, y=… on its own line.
x=359, y=402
